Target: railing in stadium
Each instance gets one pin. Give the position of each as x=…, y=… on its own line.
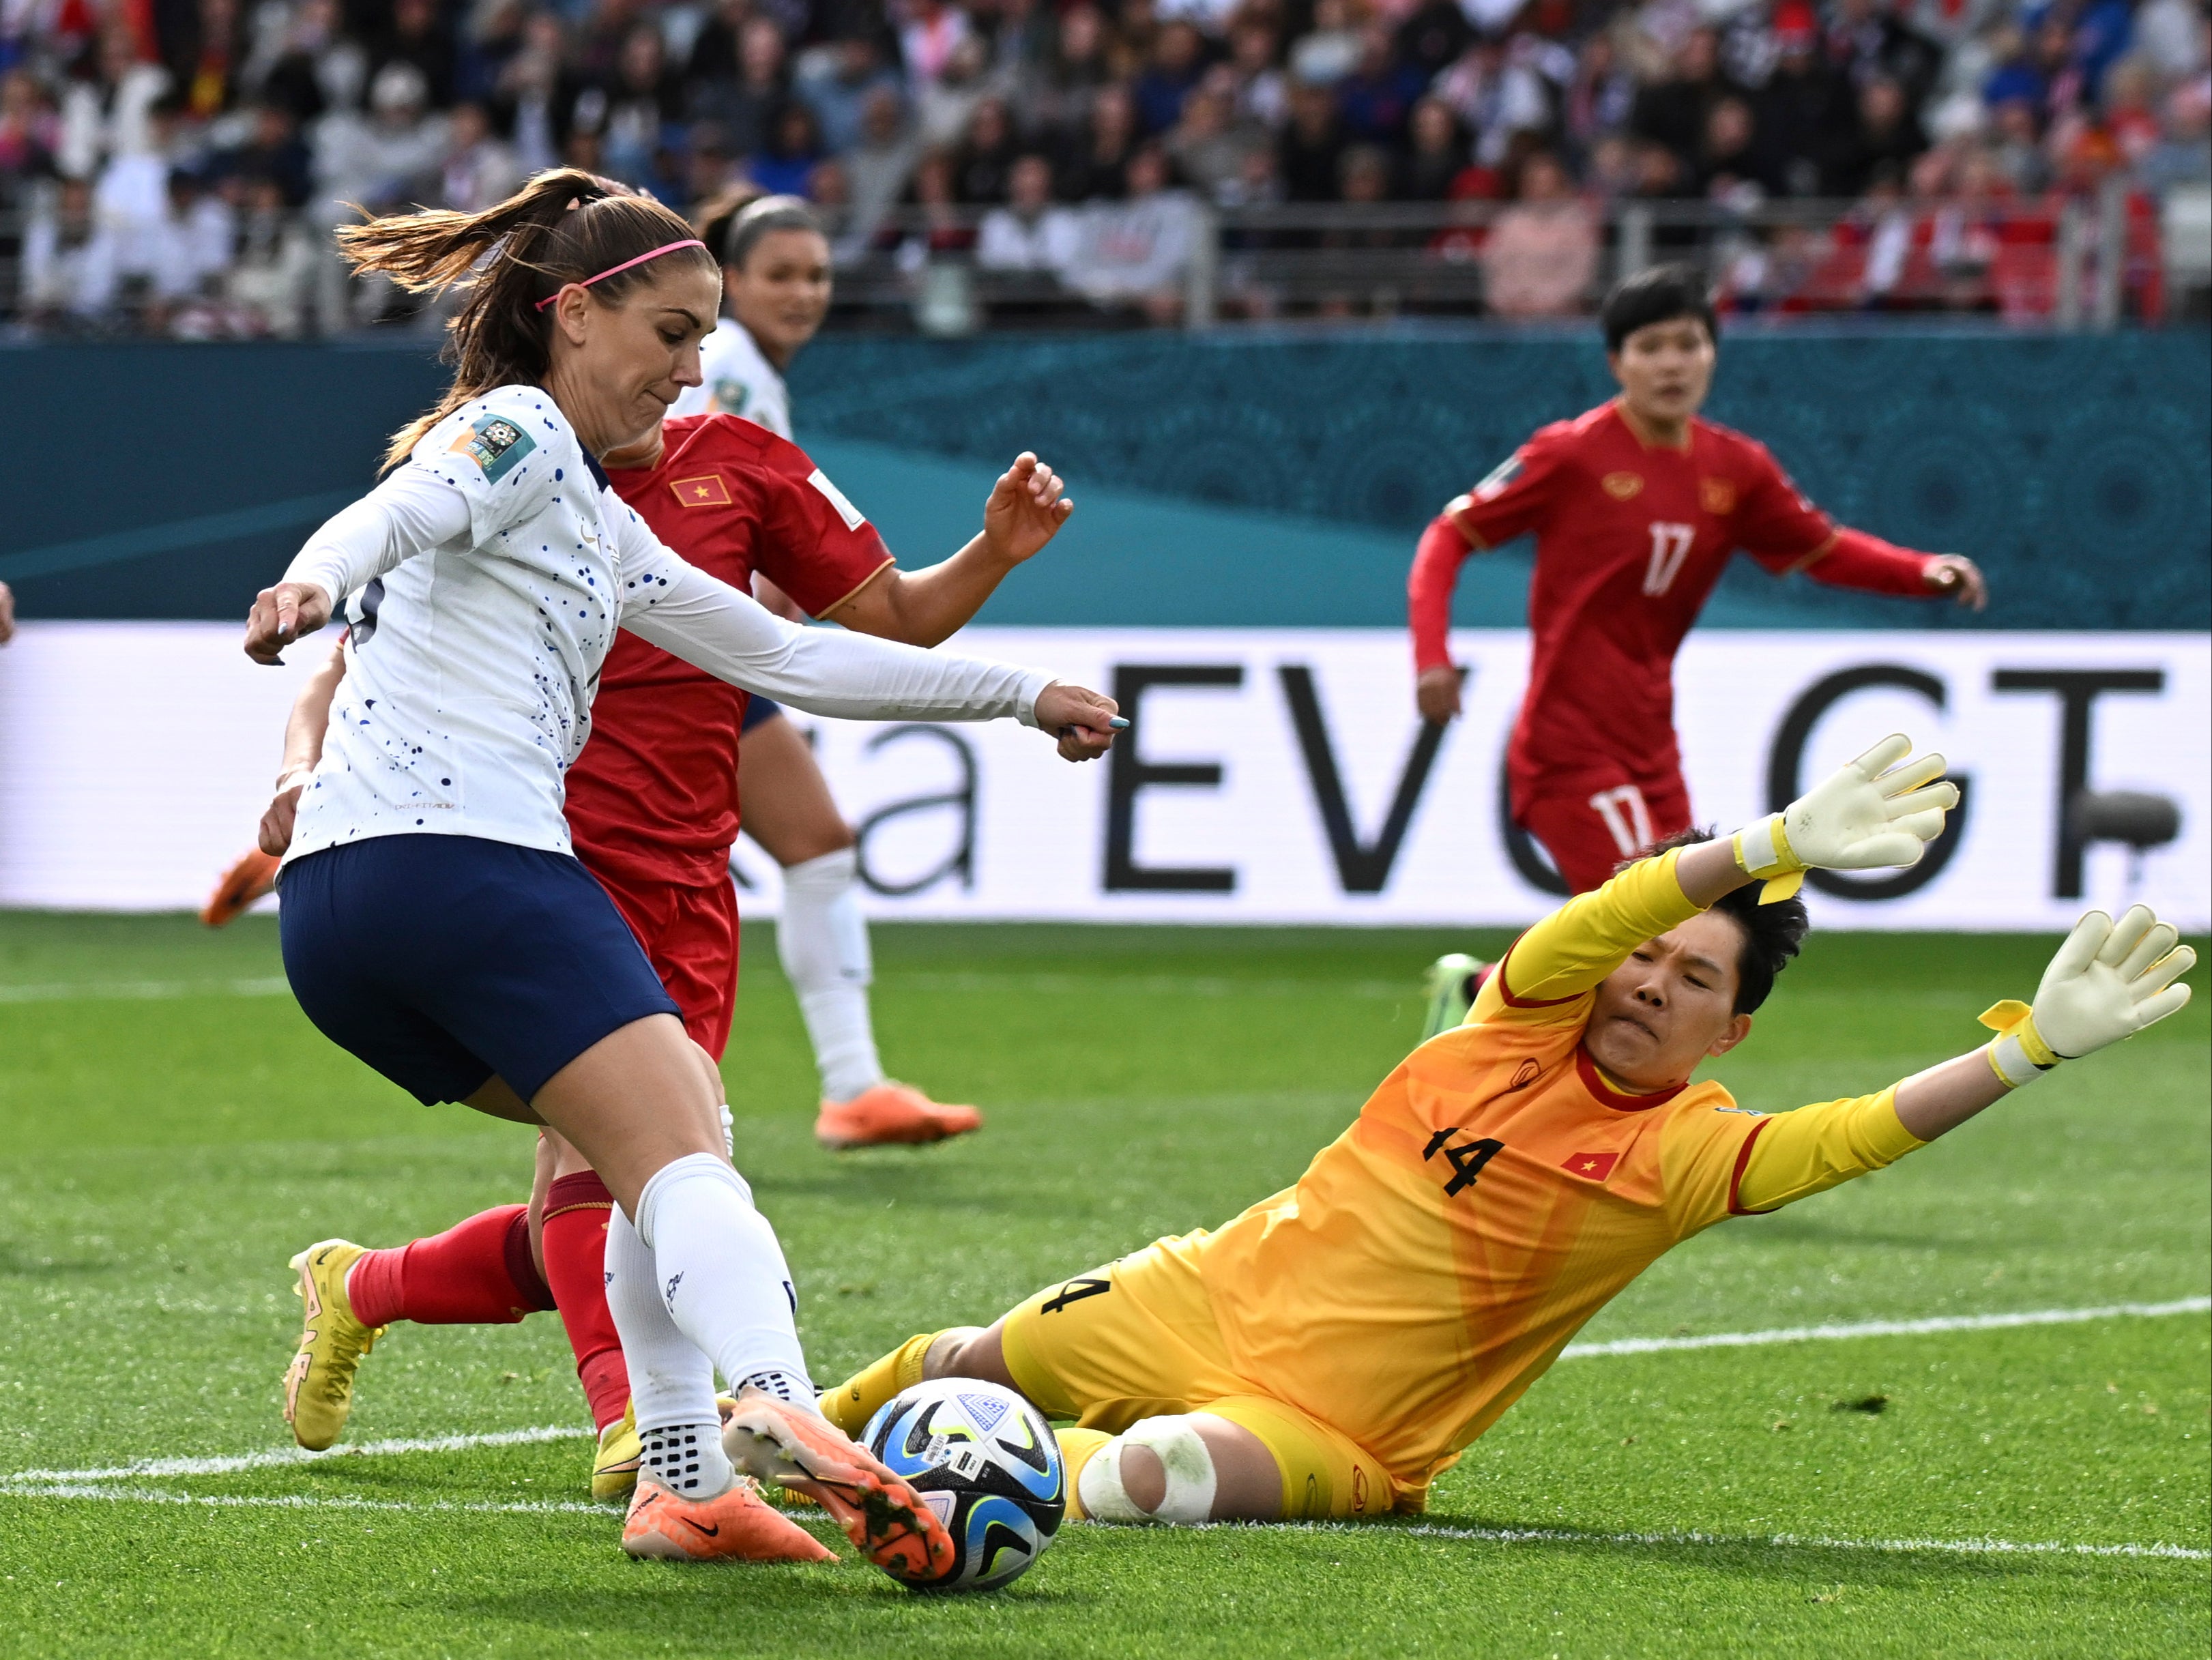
x=1174, y=260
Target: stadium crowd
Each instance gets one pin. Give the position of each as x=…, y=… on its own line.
x=176, y=165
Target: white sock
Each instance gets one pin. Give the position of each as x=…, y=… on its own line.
x=671, y=1382
x=823, y=940
x=720, y=1275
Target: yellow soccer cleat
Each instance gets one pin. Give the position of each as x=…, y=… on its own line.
x=615, y=1462
x=319, y=1384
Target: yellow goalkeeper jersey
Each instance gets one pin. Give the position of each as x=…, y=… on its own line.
x=1494, y=1193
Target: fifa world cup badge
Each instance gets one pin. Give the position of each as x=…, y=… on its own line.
x=495, y=444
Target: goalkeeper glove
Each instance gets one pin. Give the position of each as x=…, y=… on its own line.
x=2109, y=980
x=1870, y=813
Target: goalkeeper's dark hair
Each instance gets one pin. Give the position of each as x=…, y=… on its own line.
x=1772, y=933
x=1657, y=294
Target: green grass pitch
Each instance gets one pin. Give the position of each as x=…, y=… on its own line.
x=171, y=1130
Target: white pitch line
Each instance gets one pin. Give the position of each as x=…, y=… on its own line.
x=1426, y=1530
x=91, y=991
x=1781, y=1540
x=300, y=1501
x=1738, y=1340
x=277, y=1456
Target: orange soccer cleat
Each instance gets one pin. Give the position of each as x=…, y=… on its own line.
x=253, y=876
x=796, y=1447
x=735, y=1525
x=888, y=1114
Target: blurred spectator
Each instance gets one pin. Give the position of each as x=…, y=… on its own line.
x=106, y=114
x=1432, y=36
x=943, y=229
x=318, y=67
x=1439, y=152
x=1887, y=137
x=1261, y=90
x=647, y=100
x=1325, y=55
x=837, y=84
x=1137, y=253
x=29, y=128
x=273, y=149
x=1209, y=145
x=791, y=154
x=746, y=94
x=271, y=281
x=1541, y=253
x=875, y=171
x=1307, y=153
x=943, y=103
x=1178, y=59
x=2183, y=155
x=1600, y=99
x=535, y=96
x=69, y=271
x=932, y=33
x=983, y=163
x=1672, y=112
x=413, y=33
x=478, y=169
x=205, y=49
x=1802, y=115
x=1030, y=232
x=2017, y=150
x=1096, y=164
x=1867, y=40
x=1727, y=171
x=1377, y=98
x=372, y=161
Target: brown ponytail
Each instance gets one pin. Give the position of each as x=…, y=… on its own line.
x=562, y=227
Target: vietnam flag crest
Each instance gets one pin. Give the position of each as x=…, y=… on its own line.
x=707, y=490
x=1591, y=1166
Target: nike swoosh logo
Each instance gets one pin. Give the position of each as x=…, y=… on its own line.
x=714, y=1532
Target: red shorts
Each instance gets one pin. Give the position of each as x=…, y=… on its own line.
x=689, y=932
x=1590, y=822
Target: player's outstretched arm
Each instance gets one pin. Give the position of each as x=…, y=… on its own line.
x=1879, y=810
x=1026, y=509
x=7, y=614
x=2109, y=980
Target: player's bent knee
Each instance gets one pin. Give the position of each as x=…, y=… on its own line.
x=1168, y=1463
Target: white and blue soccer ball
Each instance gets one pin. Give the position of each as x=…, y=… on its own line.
x=985, y=1460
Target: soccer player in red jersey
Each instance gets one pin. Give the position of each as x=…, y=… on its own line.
x=653, y=808
x=1637, y=506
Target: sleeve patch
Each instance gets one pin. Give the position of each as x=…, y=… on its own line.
x=707, y=490
x=853, y=516
x=493, y=443
x=1504, y=474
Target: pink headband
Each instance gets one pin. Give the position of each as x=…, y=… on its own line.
x=654, y=254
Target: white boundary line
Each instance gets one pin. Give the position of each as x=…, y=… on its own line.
x=1784, y=1541
x=1480, y=1535
x=277, y=1456
x=1739, y=1339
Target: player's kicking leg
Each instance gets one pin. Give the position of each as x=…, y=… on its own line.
x=823, y=940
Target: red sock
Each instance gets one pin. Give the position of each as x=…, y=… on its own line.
x=478, y=1272
x=574, y=1238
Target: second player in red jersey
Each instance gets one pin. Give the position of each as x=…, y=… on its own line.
x=1637, y=507
x=652, y=800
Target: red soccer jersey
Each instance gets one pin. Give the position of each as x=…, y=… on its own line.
x=1630, y=538
x=654, y=793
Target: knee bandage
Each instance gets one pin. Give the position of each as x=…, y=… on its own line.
x=1182, y=1454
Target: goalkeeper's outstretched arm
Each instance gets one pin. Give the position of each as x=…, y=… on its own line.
x=2109, y=980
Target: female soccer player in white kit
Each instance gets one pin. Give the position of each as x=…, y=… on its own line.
x=435, y=923
x=775, y=286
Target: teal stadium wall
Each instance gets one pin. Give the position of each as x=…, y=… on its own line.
x=1276, y=480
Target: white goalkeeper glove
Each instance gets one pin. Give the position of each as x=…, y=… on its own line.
x=2109, y=980
x=1873, y=813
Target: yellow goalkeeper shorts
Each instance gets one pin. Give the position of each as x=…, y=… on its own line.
x=1137, y=1339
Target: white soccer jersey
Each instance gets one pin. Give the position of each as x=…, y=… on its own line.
x=484, y=579
x=738, y=379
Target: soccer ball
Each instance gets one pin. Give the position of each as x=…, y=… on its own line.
x=985, y=1460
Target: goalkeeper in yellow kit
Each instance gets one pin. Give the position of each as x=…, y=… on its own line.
x=1329, y=1351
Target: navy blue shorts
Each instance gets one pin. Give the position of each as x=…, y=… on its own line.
x=443, y=960
x=758, y=710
